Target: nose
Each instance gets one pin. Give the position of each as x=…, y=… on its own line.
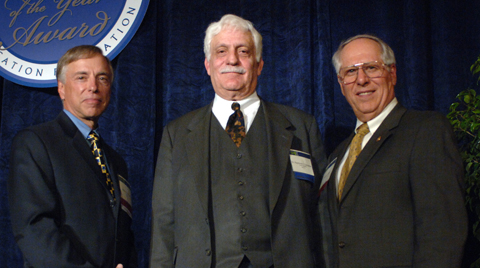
x=232, y=58
x=362, y=77
x=92, y=85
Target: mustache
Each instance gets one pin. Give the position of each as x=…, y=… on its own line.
x=233, y=69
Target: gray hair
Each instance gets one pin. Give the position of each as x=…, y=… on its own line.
x=235, y=22
x=78, y=53
x=388, y=56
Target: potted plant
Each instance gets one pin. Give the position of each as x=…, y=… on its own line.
x=464, y=116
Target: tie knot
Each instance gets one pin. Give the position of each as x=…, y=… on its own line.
x=92, y=137
x=235, y=106
x=363, y=129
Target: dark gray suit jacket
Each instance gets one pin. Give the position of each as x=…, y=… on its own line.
x=181, y=231
x=60, y=209
x=402, y=204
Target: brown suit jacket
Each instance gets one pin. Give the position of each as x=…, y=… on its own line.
x=403, y=202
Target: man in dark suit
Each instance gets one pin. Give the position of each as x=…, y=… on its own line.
x=398, y=202
x=67, y=210
x=241, y=201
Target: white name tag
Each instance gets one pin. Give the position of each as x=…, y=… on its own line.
x=302, y=165
x=126, y=197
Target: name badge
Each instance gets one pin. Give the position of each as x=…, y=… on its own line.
x=126, y=196
x=302, y=165
x=327, y=174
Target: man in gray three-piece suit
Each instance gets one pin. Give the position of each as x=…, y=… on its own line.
x=400, y=203
x=241, y=200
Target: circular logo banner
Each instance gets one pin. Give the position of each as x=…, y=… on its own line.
x=34, y=34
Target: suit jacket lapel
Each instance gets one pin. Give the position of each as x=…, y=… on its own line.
x=82, y=148
x=197, y=149
x=113, y=174
x=279, y=139
x=81, y=145
x=373, y=145
x=338, y=154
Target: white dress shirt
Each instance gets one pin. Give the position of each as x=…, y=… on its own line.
x=222, y=109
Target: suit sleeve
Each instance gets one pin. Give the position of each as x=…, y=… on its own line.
x=436, y=179
x=320, y=212
x=162, y=240
x=318, y=152
x=34, y=207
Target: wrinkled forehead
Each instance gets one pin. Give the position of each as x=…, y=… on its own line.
x=233, y=35
x=359, y=51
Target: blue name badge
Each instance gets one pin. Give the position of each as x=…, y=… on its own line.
x=302, y=165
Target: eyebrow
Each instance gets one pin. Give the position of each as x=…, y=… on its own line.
x=80, y=73
x=86, y=73
x=225, y=45
x=104, y=73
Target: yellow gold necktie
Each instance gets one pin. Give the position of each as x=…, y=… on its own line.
x=355, y=149
x=98, y=153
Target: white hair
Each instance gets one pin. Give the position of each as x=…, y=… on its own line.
x=235, y=22
x=388, y=56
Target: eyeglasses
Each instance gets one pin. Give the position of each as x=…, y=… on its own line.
x=373, y=69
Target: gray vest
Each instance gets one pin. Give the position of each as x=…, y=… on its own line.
x=239, y=195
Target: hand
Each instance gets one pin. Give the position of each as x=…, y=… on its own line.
x=119, y=265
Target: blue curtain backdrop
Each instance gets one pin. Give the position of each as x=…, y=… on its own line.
x=160, y=76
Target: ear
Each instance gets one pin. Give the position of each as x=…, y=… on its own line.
x=341, y=84
x=61, y=90
x=260, y=67
x=207, y=66
x=393, y=73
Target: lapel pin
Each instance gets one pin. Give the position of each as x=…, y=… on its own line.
x=379, y=138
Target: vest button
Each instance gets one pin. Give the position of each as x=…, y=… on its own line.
x=243, y=230
x=208, y=252
x=241, y=183
x=341, y=244
x=243, y=213
x=244, y=248
x=241, y=197
x=239, y=156
x=239, y=169
x=112, y=203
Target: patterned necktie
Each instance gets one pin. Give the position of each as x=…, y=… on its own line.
x=355, y=149
x=98, y=153
x=236, y=125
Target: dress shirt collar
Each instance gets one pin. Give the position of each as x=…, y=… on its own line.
x=377, y=121
x=222, y=109
x=82, y=127
x=373, y=125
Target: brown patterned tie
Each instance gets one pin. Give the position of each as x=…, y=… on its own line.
x=355, y=149
x=236, y=125
x=99, y=157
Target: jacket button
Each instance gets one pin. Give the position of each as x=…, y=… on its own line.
x=239, y=156
x=341, y=244
x=208, y=252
